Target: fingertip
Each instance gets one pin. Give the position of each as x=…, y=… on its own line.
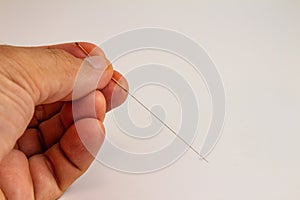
x=91, y=106
x=94, y=74
x=82, y=142
x=115, y=93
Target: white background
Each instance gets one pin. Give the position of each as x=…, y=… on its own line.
x=256, y=47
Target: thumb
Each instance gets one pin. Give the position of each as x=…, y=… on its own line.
x=30, y=76
x=65, y=68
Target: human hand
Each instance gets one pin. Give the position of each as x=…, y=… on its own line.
x=41, y=151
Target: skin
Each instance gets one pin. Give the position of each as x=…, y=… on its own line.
x=43, y=147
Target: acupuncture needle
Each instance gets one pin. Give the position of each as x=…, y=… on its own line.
x=146, y=108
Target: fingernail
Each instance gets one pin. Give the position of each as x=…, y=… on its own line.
x=97, y=62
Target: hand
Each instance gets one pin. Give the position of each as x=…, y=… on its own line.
x=43, y=147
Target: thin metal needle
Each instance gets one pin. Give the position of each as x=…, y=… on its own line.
x=146, y=108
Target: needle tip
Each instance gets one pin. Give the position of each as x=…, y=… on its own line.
x=205, y=160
